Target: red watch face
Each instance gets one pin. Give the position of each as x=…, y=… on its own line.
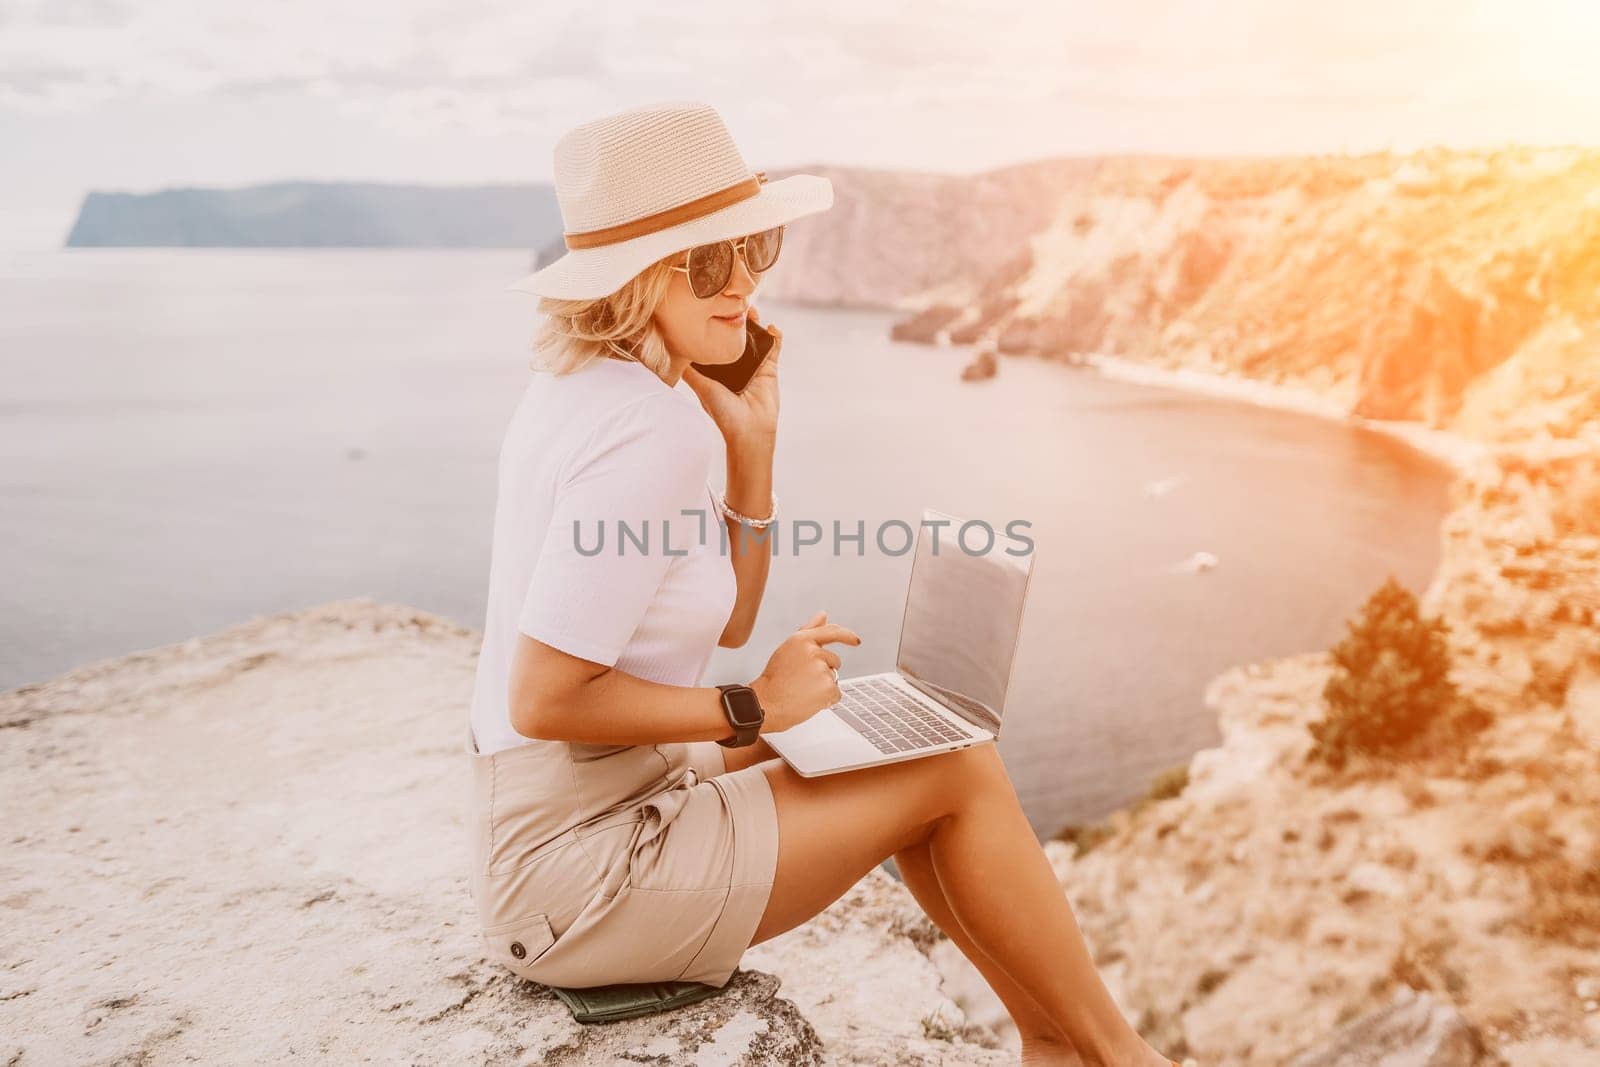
x=744, y=709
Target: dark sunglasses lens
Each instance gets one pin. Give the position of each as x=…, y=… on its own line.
x=761, y=249
x=710, y=267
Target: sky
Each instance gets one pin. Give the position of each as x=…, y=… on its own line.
x=137, y=95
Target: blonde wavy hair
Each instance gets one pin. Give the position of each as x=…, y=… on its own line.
x=618, y=326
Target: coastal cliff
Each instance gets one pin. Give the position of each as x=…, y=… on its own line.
x=1443, y=909
x=1457, y=289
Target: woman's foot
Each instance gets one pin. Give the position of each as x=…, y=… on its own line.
x=1061, y=1054
x=1057, y=1053
x=1145, y=1057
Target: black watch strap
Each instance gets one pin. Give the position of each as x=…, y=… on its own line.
x=745, y=714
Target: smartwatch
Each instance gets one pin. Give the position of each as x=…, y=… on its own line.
x=743, y=709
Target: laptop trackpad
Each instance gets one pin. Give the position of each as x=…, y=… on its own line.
x=822, y=728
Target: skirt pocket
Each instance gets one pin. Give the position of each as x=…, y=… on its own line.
x=686, y=832
x=519, y=944
x=611, y=778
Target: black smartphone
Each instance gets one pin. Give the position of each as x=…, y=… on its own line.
x=736, y=375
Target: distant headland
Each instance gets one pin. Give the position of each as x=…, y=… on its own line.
x=301, y=214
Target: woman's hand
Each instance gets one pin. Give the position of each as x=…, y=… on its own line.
x=748, y=420
x=801, y=679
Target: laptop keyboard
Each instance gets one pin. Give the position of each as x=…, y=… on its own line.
x=890, y=719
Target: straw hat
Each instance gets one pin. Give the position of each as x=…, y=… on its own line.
x=639, y=184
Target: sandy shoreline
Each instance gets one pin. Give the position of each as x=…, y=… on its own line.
x=1452, y=449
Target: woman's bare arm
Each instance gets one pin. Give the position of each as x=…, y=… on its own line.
x=748, y=422
x=555, y=696
x=560, y=697
x=749, y=493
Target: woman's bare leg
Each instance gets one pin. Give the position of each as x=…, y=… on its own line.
x=1039, y=1034
x=1000, y=889
x=1042, y=1040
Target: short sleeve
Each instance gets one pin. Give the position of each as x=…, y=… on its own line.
x=616, y=525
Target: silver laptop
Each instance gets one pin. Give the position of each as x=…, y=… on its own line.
x=958, y=639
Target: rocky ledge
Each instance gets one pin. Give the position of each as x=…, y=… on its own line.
x=250, y=847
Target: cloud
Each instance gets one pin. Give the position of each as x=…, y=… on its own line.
x=494, y=67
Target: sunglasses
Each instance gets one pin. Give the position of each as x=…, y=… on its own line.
x=710, y=266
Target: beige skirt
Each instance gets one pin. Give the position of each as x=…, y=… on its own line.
x=670, y=886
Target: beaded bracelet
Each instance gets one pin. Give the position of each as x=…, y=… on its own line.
x=754, y=524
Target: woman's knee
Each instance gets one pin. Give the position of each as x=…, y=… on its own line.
x=905, y=799
x=916, y=793
x=977, y=765
x=964, y=777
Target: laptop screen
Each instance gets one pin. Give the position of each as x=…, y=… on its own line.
x=963, y=616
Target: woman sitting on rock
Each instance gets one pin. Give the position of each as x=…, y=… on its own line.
x=628, y=823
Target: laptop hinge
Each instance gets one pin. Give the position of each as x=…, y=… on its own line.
x=977, y=715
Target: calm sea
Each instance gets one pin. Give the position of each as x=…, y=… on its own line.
x=192, y=438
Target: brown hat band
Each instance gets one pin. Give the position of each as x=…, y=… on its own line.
x=661, y=220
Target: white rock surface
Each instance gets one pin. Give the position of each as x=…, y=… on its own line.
x=250, y=847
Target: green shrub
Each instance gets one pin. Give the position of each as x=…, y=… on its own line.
x=1391, y=683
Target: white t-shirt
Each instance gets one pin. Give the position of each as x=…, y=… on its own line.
x=615, y=449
